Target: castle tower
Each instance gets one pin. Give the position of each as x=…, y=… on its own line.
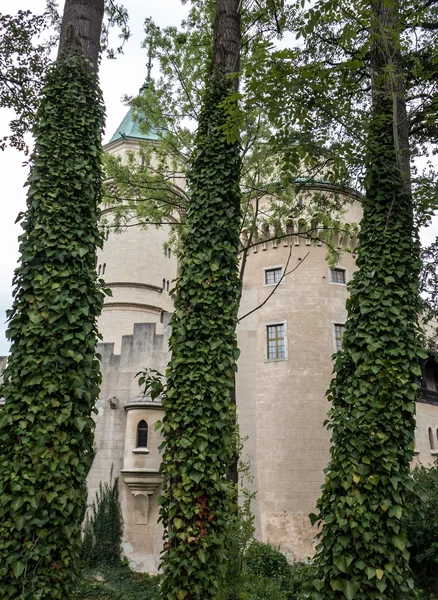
x=284, y=371
x=134, y=263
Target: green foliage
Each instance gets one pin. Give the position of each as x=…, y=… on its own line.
x=23, y=64
x=269, y=575
x=421, y=524
x=151, y=381
x=103, y=527
x=152, y=186
x=117, y=582
x=316, y=91
x=52, y=379
x=239, y=534
x=199, y=420
x=362, y=551
x=263, y=560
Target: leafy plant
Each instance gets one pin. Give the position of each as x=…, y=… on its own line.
x=104, y=526
x=421, y=524
x=151, y=381
x=263, y=560
x=362, y=551
x=199, y=418
x=52, y=379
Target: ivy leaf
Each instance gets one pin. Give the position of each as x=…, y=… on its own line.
x=350, y=589
x=18, y=568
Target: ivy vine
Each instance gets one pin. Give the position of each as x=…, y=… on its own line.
x=52, y=379
x=362, y=551
x=198, y=426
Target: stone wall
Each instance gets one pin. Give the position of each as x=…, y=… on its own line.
x=120, y=408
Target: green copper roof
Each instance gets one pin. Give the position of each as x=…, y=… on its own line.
x=130, y=128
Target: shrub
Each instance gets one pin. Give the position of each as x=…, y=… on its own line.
x=271, y=577
x=421, y=522
x=103, y=528
x=266, y=562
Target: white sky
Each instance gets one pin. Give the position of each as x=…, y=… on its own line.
x=118, y=77
x=122, y=76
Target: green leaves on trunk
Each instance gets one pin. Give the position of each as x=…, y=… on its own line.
x=199, y=421
x=52, y=379
x=362, y=551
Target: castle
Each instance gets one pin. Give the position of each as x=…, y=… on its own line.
x=287, y=339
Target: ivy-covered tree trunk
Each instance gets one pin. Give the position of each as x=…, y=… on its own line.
x=52, y=379
x=199, y=422
x=362, y=552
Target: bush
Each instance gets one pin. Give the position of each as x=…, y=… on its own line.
x=421, y=522
x=266, y=562
x=103, y=527
x=265, y=575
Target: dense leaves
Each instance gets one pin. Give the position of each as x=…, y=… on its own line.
x=103, y=527
x=22, y=66
x=420, y=520
x=52, y=379
x=362, y=551
x=198, y=425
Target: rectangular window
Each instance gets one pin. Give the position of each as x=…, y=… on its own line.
x=339, y=335
x=276, y=342
x=273, y=276
x=337, y=276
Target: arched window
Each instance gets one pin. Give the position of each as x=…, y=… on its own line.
x=431, y=440
x=107, y=234
x=99, y=270
x=169, y=252
x=164, y=284
x=167, y=285
x=103, y=268
x=142, y=434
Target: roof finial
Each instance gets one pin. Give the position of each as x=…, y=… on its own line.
x=149, y=66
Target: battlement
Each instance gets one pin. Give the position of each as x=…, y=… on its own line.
x=301, y=235
x=143, y=348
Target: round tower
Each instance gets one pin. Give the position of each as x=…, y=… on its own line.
x=292, y=316
x=135, y=264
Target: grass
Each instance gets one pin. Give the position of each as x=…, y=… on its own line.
x=117, y=582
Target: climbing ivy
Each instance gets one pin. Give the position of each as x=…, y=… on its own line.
x=52, y=379
x=198, y=424
x=362, y=551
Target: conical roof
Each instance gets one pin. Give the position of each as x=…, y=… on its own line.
x=130, y=128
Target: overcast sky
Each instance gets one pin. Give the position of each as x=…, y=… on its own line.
x=118, y=77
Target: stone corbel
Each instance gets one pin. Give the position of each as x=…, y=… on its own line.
x=143, y=483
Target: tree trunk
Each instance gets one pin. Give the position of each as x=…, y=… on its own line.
x=226, y=41
x=81, y=28
x=199, y=422
x=387, y=80
x=363, y=549
x=52, y=379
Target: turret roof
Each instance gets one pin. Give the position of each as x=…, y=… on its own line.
x=130, y=128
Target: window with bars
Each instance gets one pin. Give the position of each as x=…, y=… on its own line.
x=276, y=341
x=339, y=335
x=142, y=434
x=273, y=276
x=337, y=276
